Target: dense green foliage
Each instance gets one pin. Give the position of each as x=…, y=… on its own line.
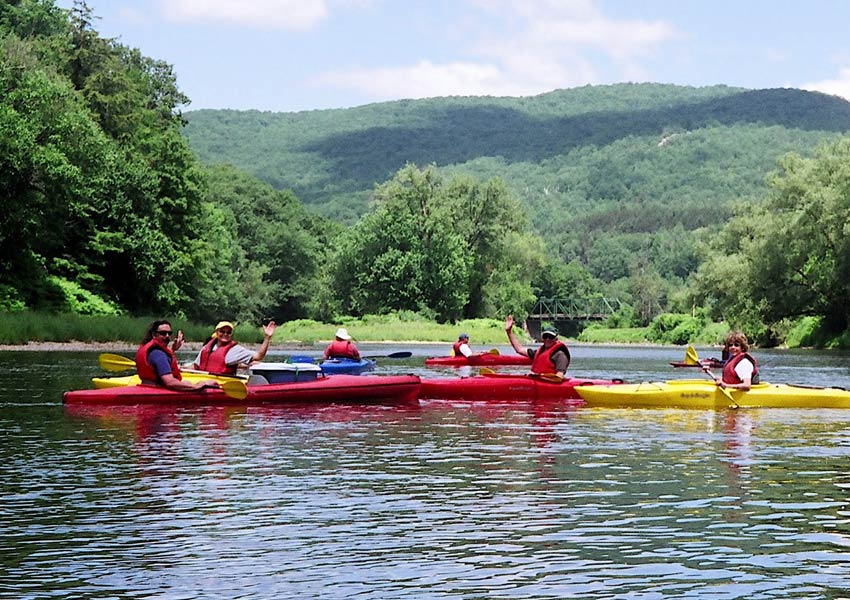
x=439, y=247
x=789, y=256
x=657, y=195
x=105, y=206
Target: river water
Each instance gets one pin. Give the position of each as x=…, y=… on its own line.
x=443, y=500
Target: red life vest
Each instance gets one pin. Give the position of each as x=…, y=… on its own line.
x=213, y=360
x=543, y=362
x=146, y=371
x=729, y=374
x=341, y=349
x=456, y=348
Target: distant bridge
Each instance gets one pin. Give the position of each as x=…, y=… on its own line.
x=554, y=310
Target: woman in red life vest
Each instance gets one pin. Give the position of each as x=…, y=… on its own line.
x=552, y=357
x=222, y=355
x=741, y=369
x=342, y=346
x=156, y=363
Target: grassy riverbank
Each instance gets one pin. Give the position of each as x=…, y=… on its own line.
x=26, y=327
x=21, y=328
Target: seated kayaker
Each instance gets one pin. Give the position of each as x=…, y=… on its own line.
x=223, y=356
x=552, y=357
x=461, y=346
x=741, y=369
x=342, y=346
x=156, y=363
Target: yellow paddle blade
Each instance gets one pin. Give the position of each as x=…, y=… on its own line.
x=235, y=389
x=493, y=351
x=691, y=356
x=486, y=371
x=728, y=395
x=115, y=362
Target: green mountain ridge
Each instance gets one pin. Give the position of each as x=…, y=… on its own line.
x=332, y=159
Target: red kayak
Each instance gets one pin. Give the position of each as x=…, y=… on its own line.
x=333, y=389
x=482, y=359
x=500, y=386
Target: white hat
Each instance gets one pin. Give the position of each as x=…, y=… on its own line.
x=342, y=334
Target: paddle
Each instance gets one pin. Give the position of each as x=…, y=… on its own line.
x=550, y=377
x=115, y=362
x=493, y=351
x=691, y=357
x=235, y=388
x=722, y=389
x=391, y=355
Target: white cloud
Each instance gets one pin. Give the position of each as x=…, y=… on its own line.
x=424, y=79
x=264, y=14
x=840, y=86
x=541, y=45
x=577, y=24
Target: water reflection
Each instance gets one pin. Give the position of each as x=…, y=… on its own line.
x=444, y=500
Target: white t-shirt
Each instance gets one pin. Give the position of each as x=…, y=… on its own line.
x=465, y=350
x=744, y=369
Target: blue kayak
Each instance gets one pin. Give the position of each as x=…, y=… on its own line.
x=348, y=366
x=332, y=366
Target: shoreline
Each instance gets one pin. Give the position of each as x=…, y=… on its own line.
x=75, y=346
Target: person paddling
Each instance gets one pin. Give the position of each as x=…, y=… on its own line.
x=157, y=364
x=222, y=355
x=741, y=368
x=553, y=357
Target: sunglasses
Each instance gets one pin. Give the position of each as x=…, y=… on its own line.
x=548, y=336
x=736, y=344
x=165, y=333
x=225, y=332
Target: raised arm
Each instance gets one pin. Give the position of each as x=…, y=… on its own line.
x=509, y=328
x=268, y=332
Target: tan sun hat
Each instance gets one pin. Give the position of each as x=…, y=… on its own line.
x=223, y=324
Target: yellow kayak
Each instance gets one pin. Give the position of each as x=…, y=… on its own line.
x=703, y=394
x=125, y=380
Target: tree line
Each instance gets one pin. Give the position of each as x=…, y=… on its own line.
x=109, y=210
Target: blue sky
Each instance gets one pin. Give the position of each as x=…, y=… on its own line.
x=292, y=55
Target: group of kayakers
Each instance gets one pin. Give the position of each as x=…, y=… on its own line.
x=157, y=364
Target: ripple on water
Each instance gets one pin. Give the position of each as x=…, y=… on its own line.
x=449, y=500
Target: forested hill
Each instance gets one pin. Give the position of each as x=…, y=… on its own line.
x=626, y=185
x=572, y=149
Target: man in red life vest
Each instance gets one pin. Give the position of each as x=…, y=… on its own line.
x=342, y=346
x=741, y=369
x=222, y=355
x=156, y=363
x=461, y=346
x=553, y=357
